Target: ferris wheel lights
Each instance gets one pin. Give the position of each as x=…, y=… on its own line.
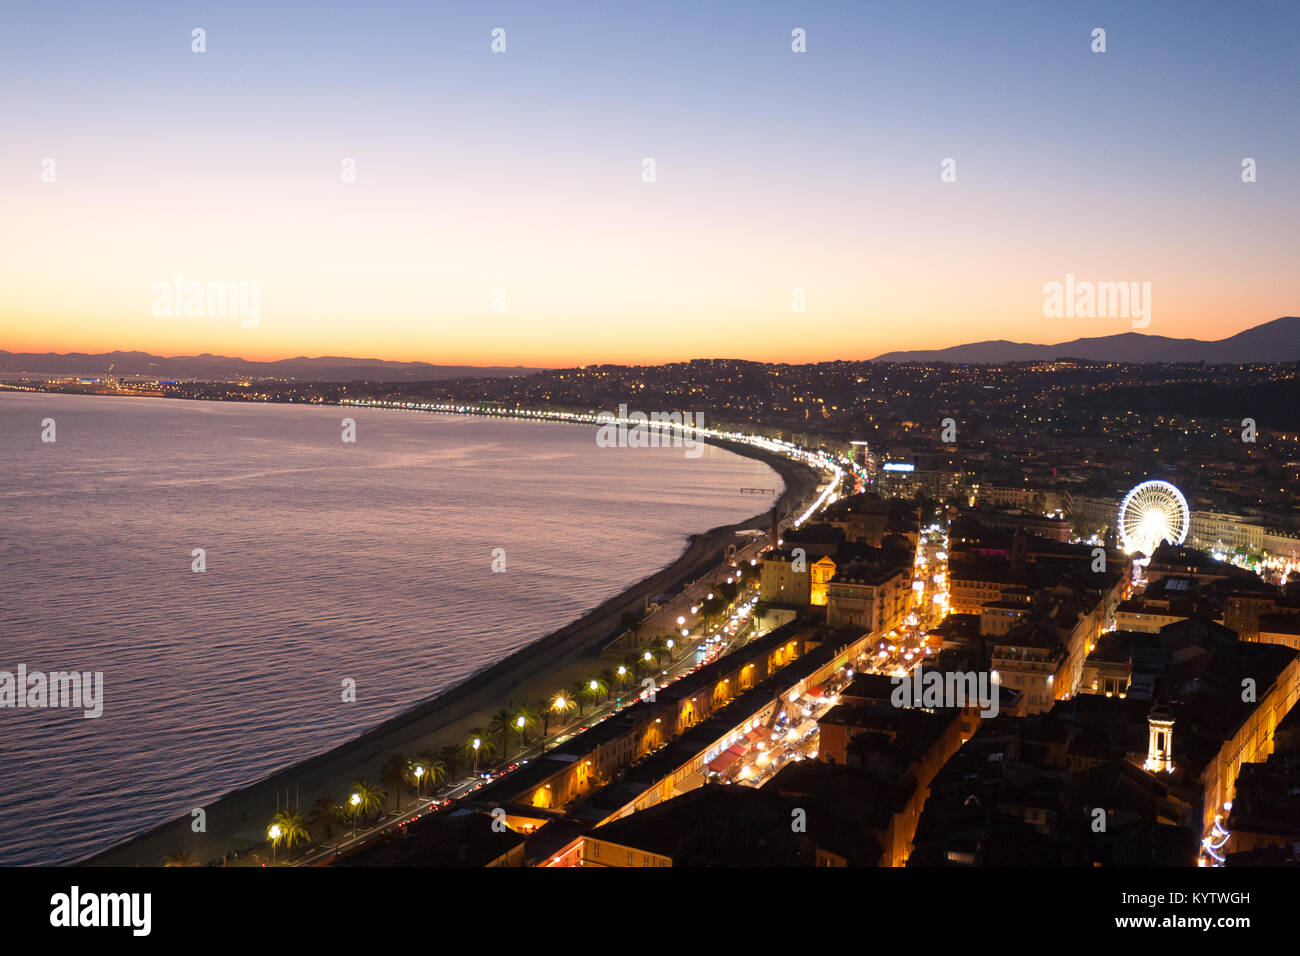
x=1151, y=513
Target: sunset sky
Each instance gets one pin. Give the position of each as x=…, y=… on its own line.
x=522, y=171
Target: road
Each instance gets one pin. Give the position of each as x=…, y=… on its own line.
x=715, y=641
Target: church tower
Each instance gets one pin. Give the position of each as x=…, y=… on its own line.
x=1160, y=744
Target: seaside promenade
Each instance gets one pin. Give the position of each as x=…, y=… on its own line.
x=237, y=822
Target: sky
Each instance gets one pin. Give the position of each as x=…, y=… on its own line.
x=500, y=213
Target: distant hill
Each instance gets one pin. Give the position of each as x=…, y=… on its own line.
x=326, y=368
x=1276, y=341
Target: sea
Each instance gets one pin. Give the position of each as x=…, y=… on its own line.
x=226, y=566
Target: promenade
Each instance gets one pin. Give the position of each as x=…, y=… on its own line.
x=238, y=821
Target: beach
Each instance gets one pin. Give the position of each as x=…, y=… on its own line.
x=238, y=820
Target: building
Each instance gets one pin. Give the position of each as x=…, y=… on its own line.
x=870, y=597
x=785, y=577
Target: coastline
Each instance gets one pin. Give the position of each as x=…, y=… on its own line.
x=237, y=819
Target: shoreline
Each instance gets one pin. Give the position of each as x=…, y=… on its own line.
x=236, y=820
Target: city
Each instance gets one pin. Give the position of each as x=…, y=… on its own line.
x=1093, y=612
x=756, y=441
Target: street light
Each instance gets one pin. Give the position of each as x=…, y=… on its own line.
x=477, y=743
x=419, y=774
x=355, y=800
x=274, y=834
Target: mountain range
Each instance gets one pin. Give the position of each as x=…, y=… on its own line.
x=327, y=368
x=1276, y=341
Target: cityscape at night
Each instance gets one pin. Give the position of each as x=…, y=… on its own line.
x=648, y=436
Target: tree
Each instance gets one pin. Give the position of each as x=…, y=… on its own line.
x=435, y=769
x=502, y=723
x=631, y=621
x=289, y=829
x=395, y=772
x=324, y=813
x=712, y=608
x=659, y=647
x=525, y=720
x=608, y=678
x=542, y=706
x=180, y=858
x=449, y=755
x=485, y=748
x=596, y=688
x=622, y=675
x=563, y=702
x=370, y=798
x=633, y=662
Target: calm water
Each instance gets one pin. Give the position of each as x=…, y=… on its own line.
x=325, y=560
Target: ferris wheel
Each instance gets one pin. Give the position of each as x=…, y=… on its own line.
x=1152, y=513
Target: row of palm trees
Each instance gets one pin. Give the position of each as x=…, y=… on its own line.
x=430, y=767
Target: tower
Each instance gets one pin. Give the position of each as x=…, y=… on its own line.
x=1160, y=745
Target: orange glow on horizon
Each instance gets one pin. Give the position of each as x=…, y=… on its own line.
x=260, y=345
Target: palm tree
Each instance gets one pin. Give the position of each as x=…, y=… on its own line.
x=368, y=798
x=594, y=689
x=633, y=663
x=563, y=702
x=525, y=718
x=435, y=771
x=395, y=772
x=485, y=746
x=608, y=678
x=180, y=858
x=542, y=708
x=575, y=696
x=632, y=622
x=450, y=756
x=659, y=647
x=288, y=826
x=502, y=723
x=324, y=812
x=647, y=658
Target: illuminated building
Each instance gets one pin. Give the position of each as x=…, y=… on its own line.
x=1160, y=745
x=821, y=573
